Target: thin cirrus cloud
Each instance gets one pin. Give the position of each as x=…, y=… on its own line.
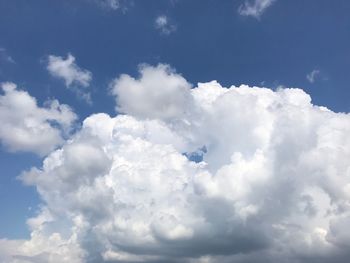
x=273, y=184
x=254, y=8
x=164, y=25
x=74, y=77
x=26, y=127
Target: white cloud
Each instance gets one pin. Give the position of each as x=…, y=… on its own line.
x=254, y=8
x=27, y=127
x=313, y=75
x=163, y=24
x=273, y=185
x=74, y=77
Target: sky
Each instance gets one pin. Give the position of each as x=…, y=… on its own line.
x=174, y=131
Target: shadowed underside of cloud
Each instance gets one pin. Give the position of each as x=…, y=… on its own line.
x=273, y=186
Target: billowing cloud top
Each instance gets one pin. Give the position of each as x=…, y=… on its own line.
x=27, y=127
x=273, y=184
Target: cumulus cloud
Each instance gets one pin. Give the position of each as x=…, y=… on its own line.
x=163, y=24
x=313, y=75
x=254, y=8
x=75, y=78
x=273, y=184
x=27, y=127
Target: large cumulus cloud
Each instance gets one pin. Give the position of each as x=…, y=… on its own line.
x=272, y=181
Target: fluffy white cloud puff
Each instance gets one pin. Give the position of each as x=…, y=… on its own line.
x=271, y=182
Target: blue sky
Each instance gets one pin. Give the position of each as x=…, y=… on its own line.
x=294, y=44
x=212, y=41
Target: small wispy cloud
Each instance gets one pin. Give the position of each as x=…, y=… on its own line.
x=164, y=25
x=75, y=77
x=121, y=5
x=4, y=56
x=114, y=4
x=254, y=8
x=313, y=75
